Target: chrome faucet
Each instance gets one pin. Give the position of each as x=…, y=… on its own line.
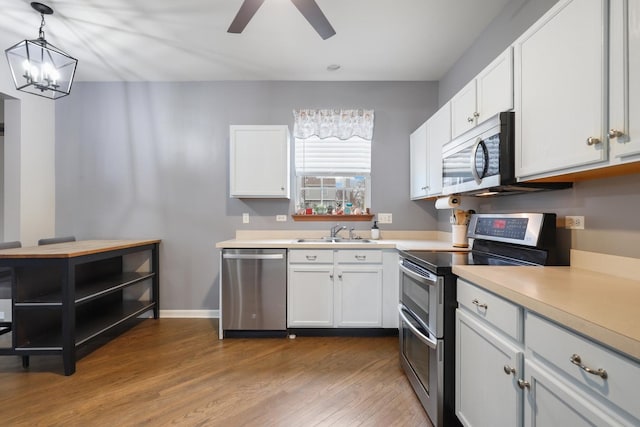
x=336, y=229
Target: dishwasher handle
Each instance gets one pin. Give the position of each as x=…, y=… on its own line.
x=253, y=256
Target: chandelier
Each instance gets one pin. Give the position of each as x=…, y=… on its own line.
x=40, y=68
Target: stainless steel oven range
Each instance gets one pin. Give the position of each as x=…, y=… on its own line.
x=428, y=299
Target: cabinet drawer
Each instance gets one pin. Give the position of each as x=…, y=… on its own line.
x=500, y=313
x=557, y=346
x=319, y=256
x=358, y=256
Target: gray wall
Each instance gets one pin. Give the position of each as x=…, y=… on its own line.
x=607, y=204
x=150, y=160
x=516, y=17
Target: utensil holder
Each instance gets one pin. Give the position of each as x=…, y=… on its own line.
x=459, y=236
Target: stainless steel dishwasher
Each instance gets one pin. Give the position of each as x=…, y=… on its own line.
x=254, y=292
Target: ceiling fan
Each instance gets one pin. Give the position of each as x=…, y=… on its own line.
x=308, y=8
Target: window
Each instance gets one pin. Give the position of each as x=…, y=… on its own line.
x=333, y=161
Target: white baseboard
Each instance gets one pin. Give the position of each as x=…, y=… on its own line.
x=190, y=314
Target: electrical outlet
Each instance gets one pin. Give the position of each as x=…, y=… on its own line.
x=245, y=218
x=574, y=222
x=385, y=218
x=281, y=218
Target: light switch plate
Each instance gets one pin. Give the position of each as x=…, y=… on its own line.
x=385, y=218
x=245, y=218
x=281, y=218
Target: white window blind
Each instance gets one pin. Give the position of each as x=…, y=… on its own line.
x=332, y=156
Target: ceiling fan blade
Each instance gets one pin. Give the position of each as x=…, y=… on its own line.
x=311, y=11
x=246, y=12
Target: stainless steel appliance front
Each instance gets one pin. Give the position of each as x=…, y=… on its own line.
x=421, y=335
x=254, y=291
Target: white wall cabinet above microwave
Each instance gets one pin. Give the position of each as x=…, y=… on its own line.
x=259, y=165
x=489, y=93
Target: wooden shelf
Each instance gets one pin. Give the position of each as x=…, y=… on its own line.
x=333, y=218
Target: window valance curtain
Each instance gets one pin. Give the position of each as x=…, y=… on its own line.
x=333, y=123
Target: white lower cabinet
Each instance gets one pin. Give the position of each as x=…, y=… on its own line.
x=553, y=402
x=557, y=378
x=486, y=367
x=310, y=296
x=335, y=288
x=488, y=360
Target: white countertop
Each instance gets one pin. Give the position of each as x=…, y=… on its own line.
x=403, y=240
x=597, y=296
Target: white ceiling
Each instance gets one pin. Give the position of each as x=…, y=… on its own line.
x=187, y=40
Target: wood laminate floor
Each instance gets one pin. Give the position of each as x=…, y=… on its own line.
x=177, y=372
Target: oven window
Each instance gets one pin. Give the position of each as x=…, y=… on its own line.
x=417, y=354
x=416, y=297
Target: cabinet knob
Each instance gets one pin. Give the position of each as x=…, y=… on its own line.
x=470, y=119
x=340, y=276
x=523, y=384
x=614, y=133
x=593, y=141
x=509, y=370
x=476, y=114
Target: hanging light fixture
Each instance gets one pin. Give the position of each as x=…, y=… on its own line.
x=40, y=68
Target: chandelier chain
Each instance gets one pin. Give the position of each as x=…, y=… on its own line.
x=42, y=24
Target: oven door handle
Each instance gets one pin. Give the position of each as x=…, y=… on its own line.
x=430, y=340
x=429, y=280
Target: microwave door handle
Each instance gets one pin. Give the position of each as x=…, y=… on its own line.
x=428, y=340
x=474, y=151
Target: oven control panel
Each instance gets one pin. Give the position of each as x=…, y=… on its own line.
x=530, y=229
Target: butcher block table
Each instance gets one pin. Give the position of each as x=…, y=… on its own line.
x=65, y=295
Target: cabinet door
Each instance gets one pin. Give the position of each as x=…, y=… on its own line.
x=495, y=87
x=438, y=134
x=310, y=296
x=560, y=90
x=418, y=162
x=551, y=402
x=625, y=81
x=464, y=110
x=358, y=296
x=487, y=393
x=259, y=161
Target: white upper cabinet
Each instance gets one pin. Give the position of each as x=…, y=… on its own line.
x=425, y=148
x=560, y=87
x=259, y=161
x=418, y=163
x=438, y=134
x=624, y=87
x=489, y=93
x=463, y=109
x=495, y=87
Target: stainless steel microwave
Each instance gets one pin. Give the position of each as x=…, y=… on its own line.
x=482, y=161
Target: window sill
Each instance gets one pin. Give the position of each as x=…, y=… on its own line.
x=332, y=218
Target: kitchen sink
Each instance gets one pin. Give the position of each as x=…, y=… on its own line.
x=333, y=240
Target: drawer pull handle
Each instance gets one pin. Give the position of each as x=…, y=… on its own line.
x=478, y=304
x=509, y=370
x=577, y=360
x=311, y=257
x=523, y=384
x=361, y=257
